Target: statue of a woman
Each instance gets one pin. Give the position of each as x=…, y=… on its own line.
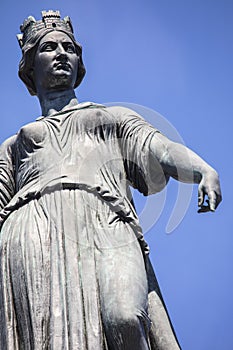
x=74, y=271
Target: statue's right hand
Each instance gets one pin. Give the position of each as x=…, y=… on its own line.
x=209, y=186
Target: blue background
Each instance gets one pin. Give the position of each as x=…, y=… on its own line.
x=174, y=57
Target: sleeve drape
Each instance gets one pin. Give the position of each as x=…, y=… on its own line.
x=7, y=182
x=143, y=169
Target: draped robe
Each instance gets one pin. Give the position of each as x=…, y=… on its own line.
x=69, y=226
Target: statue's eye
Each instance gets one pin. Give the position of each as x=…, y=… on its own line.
x=69, y=47
x=48, y=46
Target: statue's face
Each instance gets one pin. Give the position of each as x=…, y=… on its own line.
x=55, y=63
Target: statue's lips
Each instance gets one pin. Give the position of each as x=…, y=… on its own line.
x=62, y=66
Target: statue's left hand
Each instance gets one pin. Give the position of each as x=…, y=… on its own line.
x=209, y=186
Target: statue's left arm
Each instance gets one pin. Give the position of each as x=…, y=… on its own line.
x=184, y=165
x=7, y=176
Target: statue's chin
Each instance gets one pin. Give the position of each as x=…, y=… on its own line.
x=62, y=79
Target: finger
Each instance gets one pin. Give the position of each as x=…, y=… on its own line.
x=218, y=200
x=212, y=200
x=201, y=196
x=204, y=208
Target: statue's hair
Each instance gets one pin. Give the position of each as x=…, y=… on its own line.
x=28, y=54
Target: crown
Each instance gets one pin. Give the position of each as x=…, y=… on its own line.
x=50, y=20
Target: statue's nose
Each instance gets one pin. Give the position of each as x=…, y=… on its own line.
x=61, y=53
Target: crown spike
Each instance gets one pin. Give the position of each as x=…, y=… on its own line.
x=67, y=20
x=50, y=13
x=27, y=22
x=20, y=39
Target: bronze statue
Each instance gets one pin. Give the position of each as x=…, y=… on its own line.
x=75, y=271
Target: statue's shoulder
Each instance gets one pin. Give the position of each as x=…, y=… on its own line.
x=8, y=145
x=123, y=113
x=11, y=141
x=118, y=111
x=33, y=132
x=88, y=104
x=8, y=142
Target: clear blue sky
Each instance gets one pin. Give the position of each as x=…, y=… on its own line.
x=175, y=57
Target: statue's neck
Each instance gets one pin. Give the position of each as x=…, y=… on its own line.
x=55, y=101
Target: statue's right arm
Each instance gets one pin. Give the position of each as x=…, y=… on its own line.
x=184, y=165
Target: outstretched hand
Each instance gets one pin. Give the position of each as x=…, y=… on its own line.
x=210, y=187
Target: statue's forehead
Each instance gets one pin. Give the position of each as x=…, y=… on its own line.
x=56, y=36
